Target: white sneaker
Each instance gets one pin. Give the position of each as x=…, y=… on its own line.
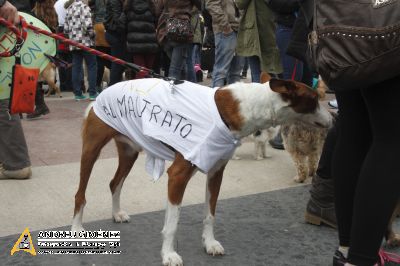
x=23, y=173
x=333, y=104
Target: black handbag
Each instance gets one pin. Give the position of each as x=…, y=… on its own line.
x=355, y=44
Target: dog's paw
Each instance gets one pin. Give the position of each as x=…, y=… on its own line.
x=214, y=248
x=76, y=229
x=393, y=241
x=298, y=179
x=121, y=217
x=172, y=259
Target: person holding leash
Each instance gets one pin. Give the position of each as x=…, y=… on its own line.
x=14, y=158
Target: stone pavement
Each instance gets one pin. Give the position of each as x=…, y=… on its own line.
x=259, y=218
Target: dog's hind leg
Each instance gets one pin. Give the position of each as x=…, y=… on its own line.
x=95, y=135
x=127, y=156
x=179, y=175
x=214, y=180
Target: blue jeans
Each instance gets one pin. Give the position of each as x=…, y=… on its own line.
x=177, y=53
x=117, y=49
x=196, y=53
x=255, y=68
x=292, y=67
x=190, y=74
x=227, y=66
x=77, y=73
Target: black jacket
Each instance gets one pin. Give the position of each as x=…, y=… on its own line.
x=25, y=6
x=284, y=11
x=115, y=20
x=141, y=27
x=298, y=45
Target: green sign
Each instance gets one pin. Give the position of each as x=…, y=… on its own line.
x=31, y=53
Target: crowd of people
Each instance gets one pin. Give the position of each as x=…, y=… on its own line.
x=356, y=185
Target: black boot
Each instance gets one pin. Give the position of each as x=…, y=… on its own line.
x=41, y=107
x=321, y=207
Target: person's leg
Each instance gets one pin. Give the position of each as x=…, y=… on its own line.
x=377, y=190
x=149, y=60
x=321, y=206
x=139, y=59
x=77, y=73
x=255, y=68
x=65, y=73
x=100, y=68
x=14, y=156
x=224, y=52
x=40, y=106
x=178, y=56
x=235, y=69
x=354, y=139
x=292, y=67
x=117, y=48
x=245, y=68
x=91, y=64
x=190, y=74
x=196, y=54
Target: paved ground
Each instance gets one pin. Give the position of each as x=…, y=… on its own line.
x=260, y=216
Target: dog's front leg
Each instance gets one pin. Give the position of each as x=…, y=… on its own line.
x=179, y=175
x=214, y=180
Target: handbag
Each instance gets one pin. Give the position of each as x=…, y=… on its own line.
x=23, y=88
x=179, y=29
x=355, y=44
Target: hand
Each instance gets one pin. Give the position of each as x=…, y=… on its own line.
x=10, y=13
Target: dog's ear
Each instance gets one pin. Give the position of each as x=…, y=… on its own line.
x=265, y=77
x=282, y=86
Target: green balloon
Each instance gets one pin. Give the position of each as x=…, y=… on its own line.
x=31, y=53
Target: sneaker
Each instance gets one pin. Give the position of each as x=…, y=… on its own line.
x=80, y=97
x=338, y=259
x=93, y=97
x=23, y=173
x=333, y=104
x=39, y=111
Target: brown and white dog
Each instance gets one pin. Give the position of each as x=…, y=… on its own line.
x=243, y=107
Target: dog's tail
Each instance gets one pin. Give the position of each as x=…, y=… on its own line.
x=88, y=109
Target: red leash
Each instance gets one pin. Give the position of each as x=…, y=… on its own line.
x=105, y=56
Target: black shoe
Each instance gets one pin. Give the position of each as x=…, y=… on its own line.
x=338, y=259
x=276, y=144
x=39, y=111
x=317, y=215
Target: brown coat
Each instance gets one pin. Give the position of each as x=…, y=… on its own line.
x=173, y=8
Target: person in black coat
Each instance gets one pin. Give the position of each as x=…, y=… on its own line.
x=115, y=25
x=141, y=33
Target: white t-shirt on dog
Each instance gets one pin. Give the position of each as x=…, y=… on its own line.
x=152, y=112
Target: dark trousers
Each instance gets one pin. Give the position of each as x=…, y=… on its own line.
x=101, y=64
x=365, y=167
x=65, y=74
x=118, y=49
